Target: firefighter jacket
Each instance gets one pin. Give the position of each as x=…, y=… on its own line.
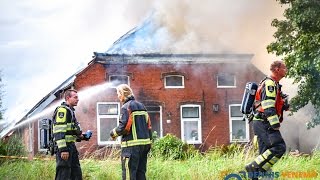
x=269, y=102
x=66, y=128
x=134, y=124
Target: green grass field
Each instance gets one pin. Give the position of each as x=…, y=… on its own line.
x=212, y=165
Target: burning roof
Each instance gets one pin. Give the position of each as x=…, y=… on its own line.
x=147, y=38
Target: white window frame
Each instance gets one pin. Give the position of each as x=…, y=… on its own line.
x=107, y=116
x=223, y=86
x=199, y=141
x=165, y=81
x=238, y=119
x=160, y=114
x=128, y=77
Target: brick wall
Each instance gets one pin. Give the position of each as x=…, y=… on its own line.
x=147, y=83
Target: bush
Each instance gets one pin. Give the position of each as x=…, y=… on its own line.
x=13, y=147
x=171, y=147
x=3, y=150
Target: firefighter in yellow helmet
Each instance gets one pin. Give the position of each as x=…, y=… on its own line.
x=269, y=105
x=135, y=129
x=66, y=131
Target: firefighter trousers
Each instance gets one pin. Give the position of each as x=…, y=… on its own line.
x=271, y=144
x=134, y=162
x=68, y=169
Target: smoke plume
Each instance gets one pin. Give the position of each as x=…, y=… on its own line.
x=219, y=26
x=189, y=26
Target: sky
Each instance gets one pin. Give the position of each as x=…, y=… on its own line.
x=42, y=43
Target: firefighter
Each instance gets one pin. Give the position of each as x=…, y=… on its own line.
x=135, y=129
x=66, y=131
x=269, y=105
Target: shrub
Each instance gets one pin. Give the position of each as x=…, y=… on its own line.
x=171, y=147
x=3, y=150
x=13, y=147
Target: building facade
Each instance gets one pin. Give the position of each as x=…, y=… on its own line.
x=195, y=97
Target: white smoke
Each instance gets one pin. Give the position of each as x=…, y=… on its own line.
x=220, y=26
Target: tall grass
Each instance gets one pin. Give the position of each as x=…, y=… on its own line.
x=170, y=158
x=25, y=170
x=101, y=169
x=212, y=165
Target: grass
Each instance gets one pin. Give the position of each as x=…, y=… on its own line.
x=211, y=166
x=24, y=169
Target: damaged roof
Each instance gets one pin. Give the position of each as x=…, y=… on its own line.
x=155, y=58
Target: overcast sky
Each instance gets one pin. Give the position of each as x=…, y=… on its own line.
x=42, y=43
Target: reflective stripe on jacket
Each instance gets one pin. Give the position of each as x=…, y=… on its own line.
x=134, y=124
x=269, y=101
x=65, y=127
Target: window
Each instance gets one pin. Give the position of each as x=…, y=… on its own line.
x=239, y=129
x=174, y=81
x=118, y=79
x=156, y=119
x=107, y=119
x=226, y=81
x=44, y=134
x=191, y=124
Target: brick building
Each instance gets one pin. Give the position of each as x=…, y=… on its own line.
x=193, y=96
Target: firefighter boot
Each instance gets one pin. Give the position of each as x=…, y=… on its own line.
x=253, y=170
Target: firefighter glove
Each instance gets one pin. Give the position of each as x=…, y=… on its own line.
x=113, y=133
x=286, y=106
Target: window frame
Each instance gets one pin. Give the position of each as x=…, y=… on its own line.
x=198, y=120
x=235, y=118
x=227, y=86
x=172, y=87
x=117, y=142
x=122, y=75
x=160, y=115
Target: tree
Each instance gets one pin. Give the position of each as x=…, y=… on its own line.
x=298, y=42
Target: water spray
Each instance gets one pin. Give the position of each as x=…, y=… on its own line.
x=84, y=95
x=38, y=115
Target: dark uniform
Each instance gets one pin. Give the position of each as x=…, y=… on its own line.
x=66, y=131
x=269, y=105
x=135, y=129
